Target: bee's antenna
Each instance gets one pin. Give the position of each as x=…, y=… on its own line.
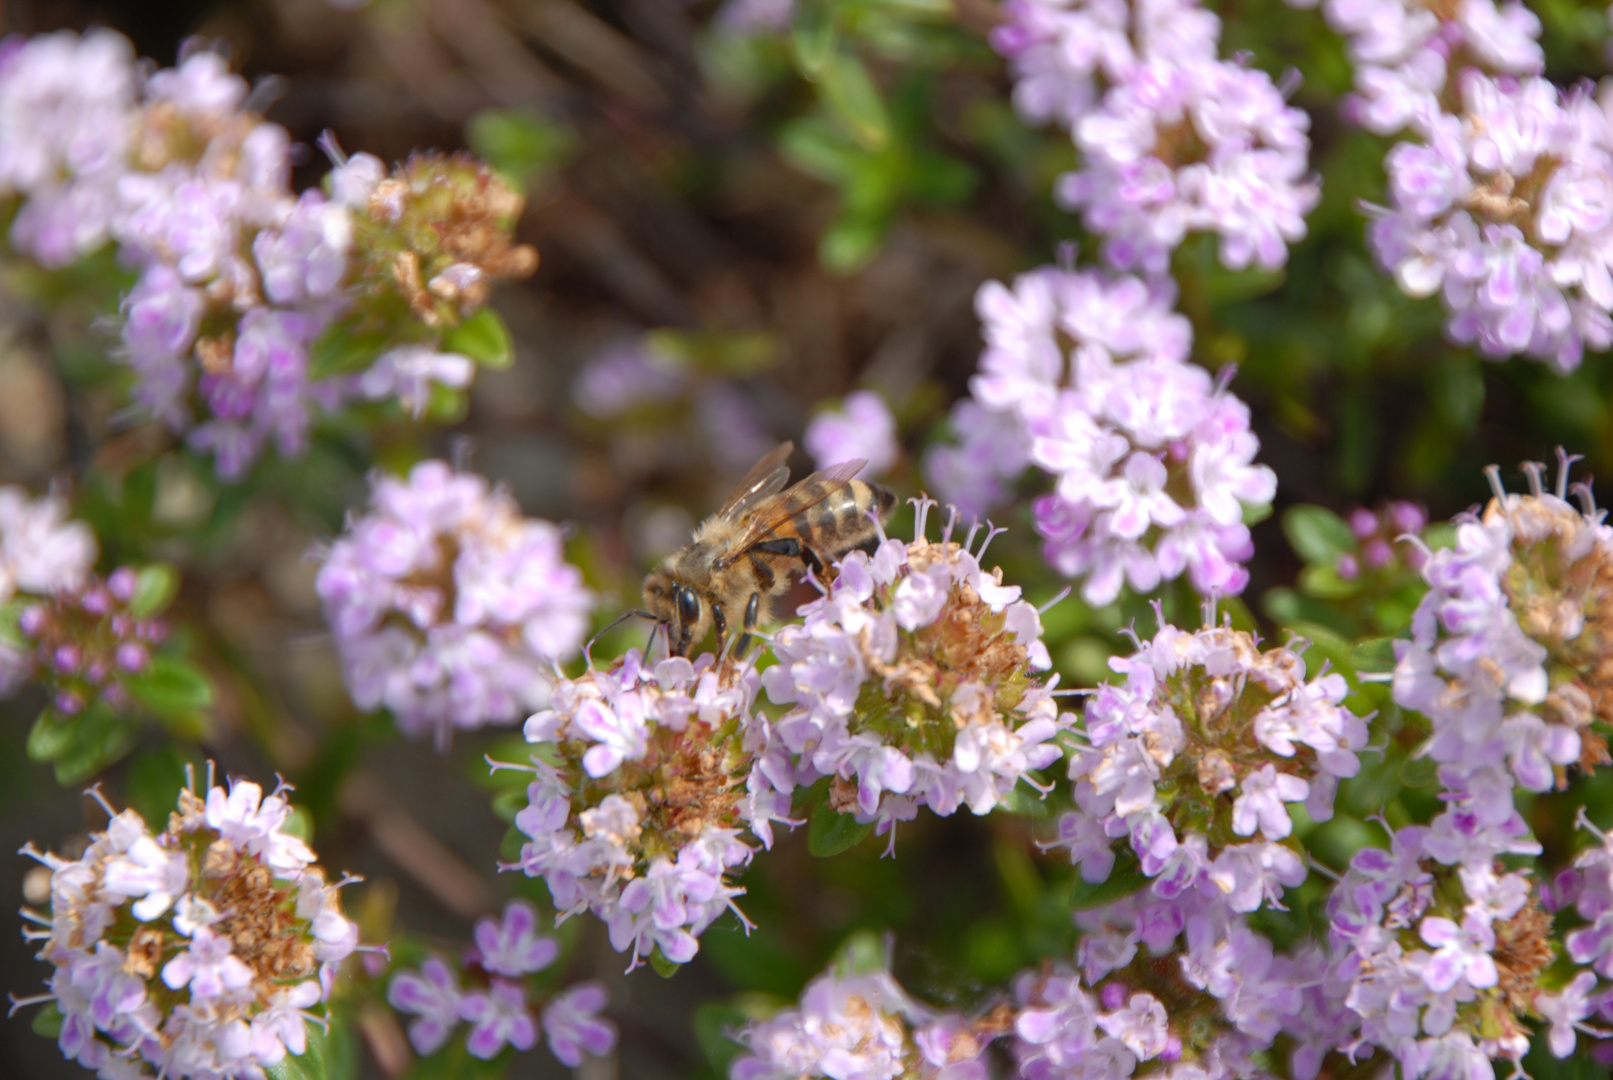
x=613, y=624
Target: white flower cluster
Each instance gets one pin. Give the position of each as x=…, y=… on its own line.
x=642, y=822
x=913, y=682
x=195, y=952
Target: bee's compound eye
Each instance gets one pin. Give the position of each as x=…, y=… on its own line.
x=688, y=606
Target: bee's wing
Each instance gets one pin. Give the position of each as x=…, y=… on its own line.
x=766, y=478
x=766, y=517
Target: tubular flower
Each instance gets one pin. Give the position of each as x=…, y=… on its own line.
x=1438, y=951
x=1195, y=757
x=913, y=681
x=638, y=802
x=449, y=608
x=1510, y=646
x=861, y=1025
x=1173, y=139
x=83, y=643
x=1501, y=206
x=1176, y=987
x=1153, y=460
x=239, y=277
x=196, y=952
x=498, y=1003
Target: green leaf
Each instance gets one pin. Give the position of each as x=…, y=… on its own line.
x=863, y=953
x=154, y=589
x=518, y=143
x=331, y=1055
x=851, y=243
x=81, y=746
x=820, y=150
x=1324, y=581
x=153, y=780
x=832, y=832
x=716, y=352
x=1124, y=880
x=50, y=736
x=48, y=1021
x=1318, y=534
x=174, y=690
x=1374, y=656
x=484, y=338
x=663, y=967
x=713, y=1023
x=851, y=95
x=940, y=180
x=344, y=349
x=1026, y=801
x=813, y=36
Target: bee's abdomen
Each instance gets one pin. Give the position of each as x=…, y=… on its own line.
x=841, y=521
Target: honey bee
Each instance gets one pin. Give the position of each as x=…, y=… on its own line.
x=743, y=555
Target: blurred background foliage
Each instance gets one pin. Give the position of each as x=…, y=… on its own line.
x=758, y=224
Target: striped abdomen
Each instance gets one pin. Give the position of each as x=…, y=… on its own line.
x=839, y=521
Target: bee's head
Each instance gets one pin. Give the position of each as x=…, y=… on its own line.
x=678, y=608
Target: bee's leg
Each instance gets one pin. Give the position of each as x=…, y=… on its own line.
x=721, y=620
x=791, y=548
x=752, y=611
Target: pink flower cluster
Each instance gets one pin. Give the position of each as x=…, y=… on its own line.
x=498, y=1004
x=1432, y=941
x=861, y=1025
x=861, y=428
x=196, y=952
x=1173, y=140
x=1208, y=739
x=1499, y=194
x=238, y=275
x=1153, y=460
x=913, y=681
x=1501, y=206
x=1177, y=988
x=450, y=609
x=1518, y=591
x=641, y=821
x=43, y=554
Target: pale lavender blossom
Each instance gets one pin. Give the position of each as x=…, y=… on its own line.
x=512, y=946
x=497, y=1015
x=1099, y=1023
x=449, y=608
x=1517, y=275
x=1403, y=50
x=409, y=372
x=1567, y=1012
x=42, y=551
x=1153, y=459
x=626, y=375
x=860, y=1026
x=573, y=1027
x=977, y=474
x=1232, y=768
x=881, y=614
x=1177, y=147
x=1061, y=53
x=862, y=428
x=242, y=962
x=66, y=105
x=1476, y=664
x=750, y=17
x=208, y=968
x=1414, y=936
x=634, y=862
